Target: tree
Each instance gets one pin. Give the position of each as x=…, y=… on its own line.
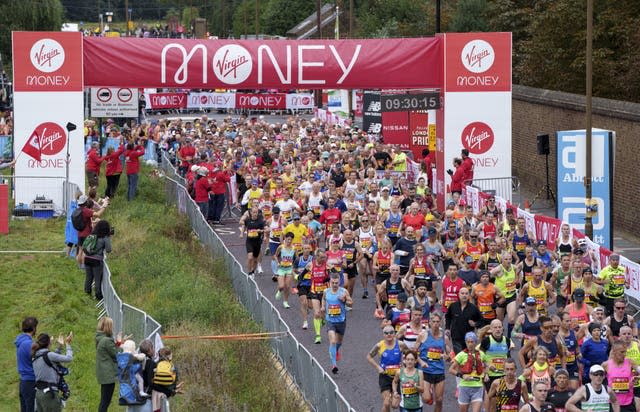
x=469, y=16
x=189, y=16
x=244, y=18
x=393, y=18
x=33, y=15
x=279, y=16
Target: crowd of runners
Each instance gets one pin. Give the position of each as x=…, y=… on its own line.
x=335, y=216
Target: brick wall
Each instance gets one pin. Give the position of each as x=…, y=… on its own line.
x=538, y=111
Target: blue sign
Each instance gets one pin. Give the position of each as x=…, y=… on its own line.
x=571, y=163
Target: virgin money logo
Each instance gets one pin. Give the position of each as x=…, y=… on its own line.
x=47, y=55
x=477, y=137
x=52, y=138
x=232, y=64
x=254, y=101
x=306, y=100
x=477, y=56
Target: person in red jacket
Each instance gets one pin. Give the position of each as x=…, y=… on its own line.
x=219, y=180
x=202, y=187
x=113, y=169
x=467, y=165
x=186, y=154
x=132, y=159
x=92, y=166
x=457, y=179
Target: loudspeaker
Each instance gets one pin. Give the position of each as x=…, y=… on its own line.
x=543, y=144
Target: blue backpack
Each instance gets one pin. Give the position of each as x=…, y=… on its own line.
x=127, y=369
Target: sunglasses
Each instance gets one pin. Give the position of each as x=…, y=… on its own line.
x=389, y=332
x=598, y=373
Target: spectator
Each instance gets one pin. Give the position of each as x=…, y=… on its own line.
x=113, y=169
x=94, y=262
x=106, y=364
x=86, y=205
x=92, y=166
x=132, y=158
x=25, y=367
x=47, y=371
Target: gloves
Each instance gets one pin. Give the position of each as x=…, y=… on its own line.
x=449, y=172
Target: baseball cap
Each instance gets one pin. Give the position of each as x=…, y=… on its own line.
x=82, y=200
x=195, y=168
x=432, y=231
x=587, y=270
x=275, y=210
x=595, y=368
x=578, y=294
x=296, y=216
x=451, y=203
x=96, y=144
x=203, y=171
x=542, y=242
x=530, y=300
x=578, y=251
x=402, y=297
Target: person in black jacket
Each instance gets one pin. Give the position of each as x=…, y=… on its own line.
x=94, y=263
x=461, y=317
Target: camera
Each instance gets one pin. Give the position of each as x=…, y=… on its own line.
x=112, y=231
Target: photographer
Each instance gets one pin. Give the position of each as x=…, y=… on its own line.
x=94, y=248
x=48, y=371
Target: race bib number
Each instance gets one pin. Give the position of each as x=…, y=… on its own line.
x=419, y=270
x=349, y=255
x=409, y=389
x=392, y=299
x=485, y=308
x=571, y=357
x=434, y=354
x=391, y=370
x=511, y=287
x=253, y=233
x=334, y=310
x=319, y=288
x=276, y=233
x=498, y=364
x=618, y=280
x=394, y=229
x=509, y=408
x=620, y=385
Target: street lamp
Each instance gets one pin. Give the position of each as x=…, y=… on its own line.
x=588, y=224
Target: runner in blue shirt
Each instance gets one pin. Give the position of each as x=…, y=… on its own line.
x=334, y=302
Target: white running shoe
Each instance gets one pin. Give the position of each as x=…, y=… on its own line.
x=286, y=304
x=305, y=325
x=260, y=271
x=278, y=295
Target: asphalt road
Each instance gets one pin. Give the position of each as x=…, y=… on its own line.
x=357, y=380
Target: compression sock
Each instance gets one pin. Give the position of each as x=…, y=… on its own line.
x=338, y=346
x=509, y=330
x=333, y=353
x=317, y=324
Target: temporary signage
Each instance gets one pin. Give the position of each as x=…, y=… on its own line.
x=395, y=129
x=570, y=180
x=114, y=102
x=166, y=100
x=419, y=132
x=265, y=101
x=371, y=112
x=410, y=101
x=48, y=94
x=300, y=101
x=211, y=100
x=263, y=64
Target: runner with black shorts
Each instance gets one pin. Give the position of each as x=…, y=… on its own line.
x=353, y=254
x=303, y=281
x=389, y=350
x=253, y=226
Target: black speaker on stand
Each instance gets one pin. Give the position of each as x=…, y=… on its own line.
x=544, y=149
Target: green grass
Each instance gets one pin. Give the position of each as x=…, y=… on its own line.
x=157, y=265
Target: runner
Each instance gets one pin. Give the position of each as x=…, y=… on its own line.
x=485, y=296
x=561, y=391
x=461, y=318
x=366, y=239
x=540, y=370
x=537, y=288
x=434, y=347
x=334, y=303
x=470, y=366
x=553, y=343
x=521, y=238
x=389, y=350
x=254, y=226
x=420, y=299
x=275, y=238
x=617, y=320
x=568, y=335
x=538, y=402
x=352, y=254
x=319, y=280
x=422, y=269
x=633, y=354
x=528, y=324
x=408, y=384
x=594, y=396
x=303, y=282
x=578, y=311
x=594, y=350
x=505, y=281
x=558, y=275
x=497, y=348
x=621, y=375
x=451, y=286
x=505, y=393
x=390, y=289
x=285, y=256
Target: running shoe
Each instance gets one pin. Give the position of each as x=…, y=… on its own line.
x=334, y=370
x=318, y=340
x=305, y=325
x=251, y=273
x=278, y=295
x=260, y=271
x=274, y=278
x=365, y=295
x=285, y=304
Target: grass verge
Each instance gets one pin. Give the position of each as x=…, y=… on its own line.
x=159, y=267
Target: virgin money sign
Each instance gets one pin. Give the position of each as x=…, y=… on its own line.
x=45, y=115
x=481, y=123
x=265, y=101
x=547, y=228
x=47, y=61
x=300, y=101
x=478, y=62
x=166, y=100
x=206, y=100
x=262, y=64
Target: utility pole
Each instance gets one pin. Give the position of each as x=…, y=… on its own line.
x=588, y=224
x=224, y=20
x=126, y=13
x=437, y=16
x=257, y=18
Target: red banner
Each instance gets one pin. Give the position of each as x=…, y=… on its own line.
x=419, y=128
x=47, y=64
x=263, y=64
x=395, y=128
x=262, y=101
x=547, y=228
x=167, y=101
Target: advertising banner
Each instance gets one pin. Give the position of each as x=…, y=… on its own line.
x=419, y=132
x=338, y=102
x=266, y=101
x=547, y=228
x=208, y=100
x=166, y=100
x=48, y=95
x=395, y=129
x=300, y=101
x=114, y=102
x=372, y=112
x=570, y=180
x=356, y=102
x=263, y=64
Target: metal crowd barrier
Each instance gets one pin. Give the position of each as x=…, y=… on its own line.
x=506, y=187
x=318, y=388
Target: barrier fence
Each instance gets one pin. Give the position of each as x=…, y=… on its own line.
x=318, y=388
